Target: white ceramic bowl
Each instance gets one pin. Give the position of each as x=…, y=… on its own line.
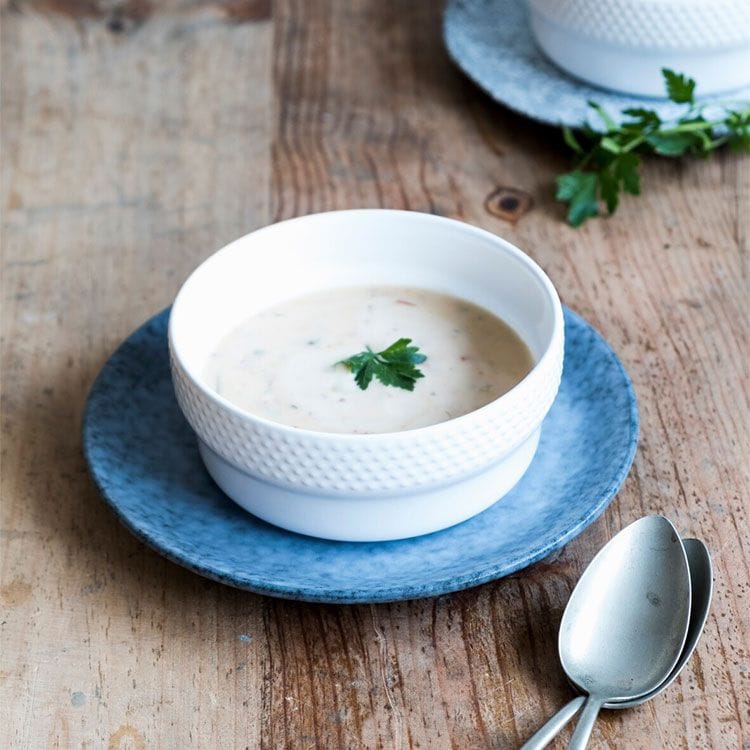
x=624, y=44
x=366, y=487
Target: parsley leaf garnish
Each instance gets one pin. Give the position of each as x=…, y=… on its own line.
x=680, y=88
x=608, y=164
x=395, y=366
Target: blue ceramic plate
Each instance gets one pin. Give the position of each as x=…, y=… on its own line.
x=143, y=456
x=490, y=40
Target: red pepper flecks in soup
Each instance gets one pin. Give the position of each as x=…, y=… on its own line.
x=281, y=362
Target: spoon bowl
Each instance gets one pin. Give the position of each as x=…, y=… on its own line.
x=626, y=622
x=701, y=590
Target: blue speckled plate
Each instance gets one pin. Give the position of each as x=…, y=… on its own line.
x=490, y=40
x=144, y=458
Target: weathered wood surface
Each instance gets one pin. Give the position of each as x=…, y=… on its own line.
x=138, y=137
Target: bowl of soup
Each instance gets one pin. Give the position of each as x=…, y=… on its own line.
x=273, y=337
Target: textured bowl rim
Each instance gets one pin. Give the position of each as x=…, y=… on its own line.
x=503, y=244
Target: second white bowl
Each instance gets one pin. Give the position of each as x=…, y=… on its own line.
x=624, y=44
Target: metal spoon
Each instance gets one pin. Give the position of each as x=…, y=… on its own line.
x=625, y=624
x=701, y=587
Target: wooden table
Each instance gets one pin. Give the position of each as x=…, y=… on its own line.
x=139, y=137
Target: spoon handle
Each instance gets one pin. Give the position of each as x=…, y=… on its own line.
x=546, y=733
x=582, y=732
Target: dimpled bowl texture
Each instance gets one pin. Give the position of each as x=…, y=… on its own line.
x=366, y=487
x=624, y=44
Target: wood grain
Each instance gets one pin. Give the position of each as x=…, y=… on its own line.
x=139, y=137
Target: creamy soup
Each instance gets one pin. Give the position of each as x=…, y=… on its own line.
x=281, y=362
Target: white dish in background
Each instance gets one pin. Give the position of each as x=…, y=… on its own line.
x=622, y=45
x=491, y=42
x=379, y=486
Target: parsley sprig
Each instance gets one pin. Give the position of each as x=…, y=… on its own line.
x=395, y=366
x=608, y=164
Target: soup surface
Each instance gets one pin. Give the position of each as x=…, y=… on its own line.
x=281, y=362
